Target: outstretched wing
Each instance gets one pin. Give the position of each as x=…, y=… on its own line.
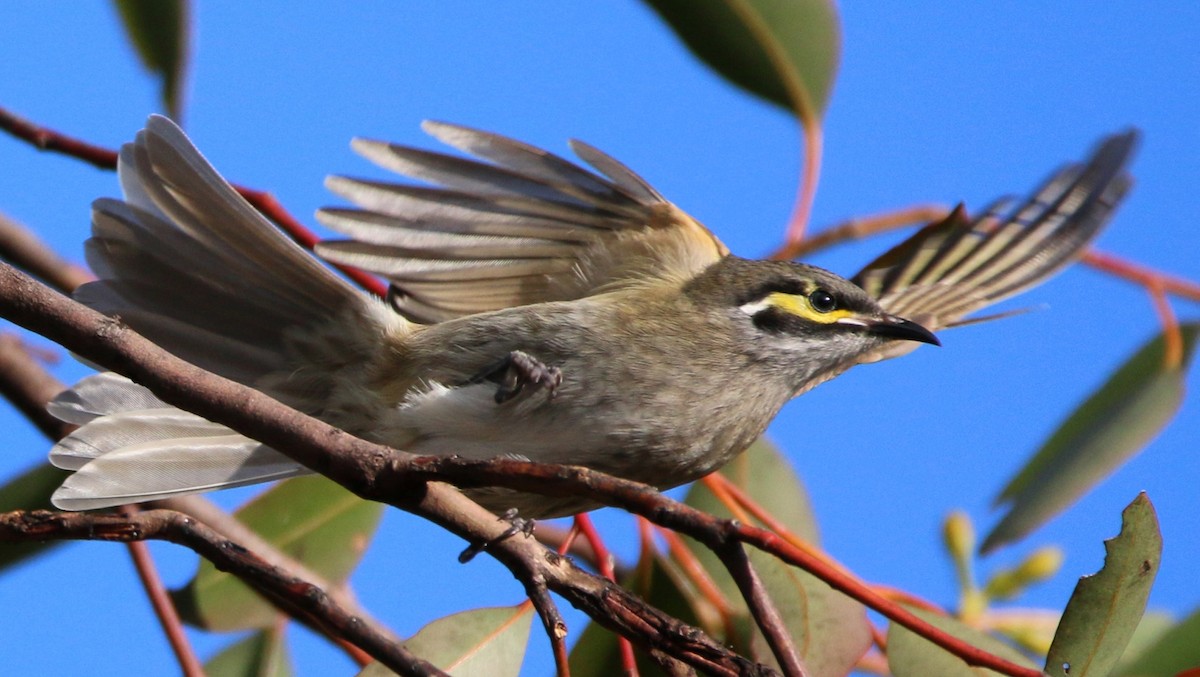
x=955, y=267
x=516, y=226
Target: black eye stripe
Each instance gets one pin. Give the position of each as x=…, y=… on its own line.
x=794, y=287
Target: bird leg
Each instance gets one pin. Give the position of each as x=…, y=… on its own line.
x=519, y=370
x=516, y=525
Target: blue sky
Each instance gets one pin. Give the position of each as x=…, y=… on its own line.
x=935, y=102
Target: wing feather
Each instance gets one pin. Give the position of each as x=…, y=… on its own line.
x=512, y=226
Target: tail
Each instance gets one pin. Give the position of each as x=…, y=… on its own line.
x=188, y=263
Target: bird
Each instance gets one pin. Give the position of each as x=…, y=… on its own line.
x=536, y=310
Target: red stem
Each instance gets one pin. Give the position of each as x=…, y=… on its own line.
x=164, y=609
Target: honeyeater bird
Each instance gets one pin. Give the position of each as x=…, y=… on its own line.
x=537, y=310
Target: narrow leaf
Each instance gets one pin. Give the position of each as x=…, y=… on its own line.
x=310, y=519
x=29, y=491
x=482, y=642
x=262, y=654
x=784, y=52
x=1105, y=608
x=159, y=31
x=911, y=655
x=1113, y=425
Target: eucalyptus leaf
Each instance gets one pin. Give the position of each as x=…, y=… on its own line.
x=1161, y=647
x=785, y=51
x=484, y=642
x=1112, y=426
x=262, y=654
x=911, y=655
x=159, y=31
x=29, y=491
x=310, y=519
x=1106, y=607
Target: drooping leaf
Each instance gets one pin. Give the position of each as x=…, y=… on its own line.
x=785, y=51
x=1160, y=647
x=159, y=31
x=483, y=642
x=312, y=520
x=1113, y=425
x=262, y=654
x=829, y=629
x=910, y=655
x=1106, y=607
x=29, y=491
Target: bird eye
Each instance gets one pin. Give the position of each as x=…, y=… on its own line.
x=822, y=301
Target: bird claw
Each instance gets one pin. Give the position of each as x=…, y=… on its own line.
x=516, y=525
x=519, y=370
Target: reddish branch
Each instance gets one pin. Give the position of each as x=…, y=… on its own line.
x=164, y=608
x=26, y=251
x=412, y=483
x=298, y=597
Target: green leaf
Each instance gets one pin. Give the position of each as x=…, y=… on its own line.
x=785, y=51
x=29, y=491
x=767, y=477
x=1113, y=425
x=482, y=642
x=1106, y=607
x=1160, y=647
x=829, y=629
x=159, y=31
x=910, y=655
x=310, y=519
x=262, y=654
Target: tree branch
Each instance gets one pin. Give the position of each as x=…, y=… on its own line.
x=413, y=482
x=298, y=597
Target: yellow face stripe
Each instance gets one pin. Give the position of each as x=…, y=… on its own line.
x=800, y=306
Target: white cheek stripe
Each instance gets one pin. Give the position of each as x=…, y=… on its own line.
x=851, y=321
x=755, y=307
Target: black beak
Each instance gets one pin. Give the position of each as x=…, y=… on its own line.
x=902, y=330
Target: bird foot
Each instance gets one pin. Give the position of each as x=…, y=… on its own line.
x=516, y=525
x=519, y=370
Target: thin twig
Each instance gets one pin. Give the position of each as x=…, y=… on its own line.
x=20, y=247
x=860, y=228
x=164, y=608
x=699, y=576
x=552, y=621
x=25, y=384
x=1136, y=272
x=810, y=173
x=762, y=609
x=604, y=561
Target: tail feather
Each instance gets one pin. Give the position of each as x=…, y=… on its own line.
x=99, y=395
x=187, y=262
x=160, y=469
x=185, y=247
